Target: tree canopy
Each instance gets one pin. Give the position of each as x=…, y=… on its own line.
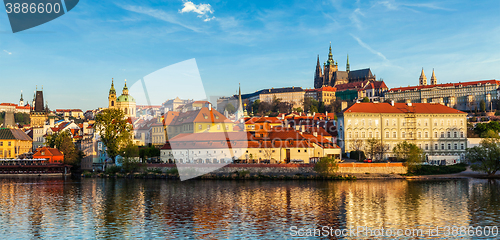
x=486, y=156
x=64, y=143
x=114, y=129
x=410, y=153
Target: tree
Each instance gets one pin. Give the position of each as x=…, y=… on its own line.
x=326, y=166
x=485, y=157
x=372, y=147
x=410, y=153
x=482, y=106
x=357, y=145
x=230, y=108
x=255, y=106
x=129, y=153
x=64, y=143
x=366, y=99
x=114, y=129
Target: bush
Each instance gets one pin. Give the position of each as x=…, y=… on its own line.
x=432, y=170
x=112, y=169
x=172, y=171
x=326, y=166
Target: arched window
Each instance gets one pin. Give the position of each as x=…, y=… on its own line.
x=112, y=103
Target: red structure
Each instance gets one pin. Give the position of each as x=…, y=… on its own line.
x=52, y=154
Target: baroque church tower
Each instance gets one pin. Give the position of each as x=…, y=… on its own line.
x=112, y=95
x=433, y=78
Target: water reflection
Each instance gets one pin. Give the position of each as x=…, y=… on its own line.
x=121, y=208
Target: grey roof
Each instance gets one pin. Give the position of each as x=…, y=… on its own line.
x=272, y=90
x=18, y=134
x=341, y=75
x=360, y=74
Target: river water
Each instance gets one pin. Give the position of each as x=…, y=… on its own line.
x=211, y=209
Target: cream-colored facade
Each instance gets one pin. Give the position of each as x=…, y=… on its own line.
x=465, y=96
x=292, y=95
x=436, y=133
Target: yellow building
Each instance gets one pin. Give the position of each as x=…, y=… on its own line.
x=14, y=142
x=437, y=129
x=325, y=94
x=124, y=102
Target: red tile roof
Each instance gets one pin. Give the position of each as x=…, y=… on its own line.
x=446, y=85
x=401, y=108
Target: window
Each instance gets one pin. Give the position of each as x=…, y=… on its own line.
x=449, y=146
x=461, y=134
x=8, y=144
x=208, y=127
x=363, y=135
x=298, y=150
x=455, y=146
x=370, y=135
x=449, y=134
x=394, y=135
x=426, y=134
x=462, y=146
x=356, y=134
x=387, y=122
x=227, y=127
x=349, y=134
x=426, y=146
x=455, y=134
x=376, y=134
x=1, y=143
x=442, y=134
x=305, y=150
x=442, y=146
x=199, y=126
x=435, y=146
x=387, y=134
x=435, y=134
x=419, y=135
x=403, y=135
x=218, y=127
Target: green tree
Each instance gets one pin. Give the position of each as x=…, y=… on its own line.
x=129, y=155
x=230, y=108
x=114, y=129
x=326, y=166
x=410, y=153
x=485, y=157
x=482, y=106
x=371, y=147
x=366, y=99
x=64, y=143
x=255, y=106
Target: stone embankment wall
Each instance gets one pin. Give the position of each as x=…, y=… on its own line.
x=292, y=169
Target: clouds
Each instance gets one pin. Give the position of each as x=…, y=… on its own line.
x=7, y=52
x=203, y=10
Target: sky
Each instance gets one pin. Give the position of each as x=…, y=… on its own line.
x=260, y=44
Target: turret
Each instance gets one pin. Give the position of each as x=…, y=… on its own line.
x=423, y=78
x=347, y=66
x=112, y=95
x=125, y=88
x=433, y=78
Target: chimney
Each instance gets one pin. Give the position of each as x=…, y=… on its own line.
x=51, y=122
x=392, y=103
x=210, y=106
x=303, y=128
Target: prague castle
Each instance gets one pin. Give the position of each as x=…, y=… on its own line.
x=124, y=102
x=331, y=76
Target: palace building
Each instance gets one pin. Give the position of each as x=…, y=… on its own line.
x=124, y=102
x=464, y=96
x=330, y=75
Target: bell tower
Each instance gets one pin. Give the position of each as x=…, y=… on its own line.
x=112, y=95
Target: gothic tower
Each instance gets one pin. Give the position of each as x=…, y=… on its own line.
x=433, y=78
x=330, y=68
x=38, y=113
x=112, y=95
x=423, y=78
x=318, y=76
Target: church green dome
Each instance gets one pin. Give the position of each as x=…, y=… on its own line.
x=125, y=98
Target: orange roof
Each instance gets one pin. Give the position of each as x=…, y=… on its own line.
x=202, y=115
x=8, y=104
x=402, y=108
x=47, y=152
x=463, y=84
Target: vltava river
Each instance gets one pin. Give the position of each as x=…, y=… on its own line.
x=209, y=209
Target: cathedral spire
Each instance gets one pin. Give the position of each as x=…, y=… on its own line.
x=423, y=78
x=239, y=112
x=347, y=66
x=433, y=78
x=330, y=56
x=112, y=89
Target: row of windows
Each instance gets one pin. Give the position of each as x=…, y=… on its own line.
x=403, y=122
x=200, y=127
x=406, y=135
x=8, y=144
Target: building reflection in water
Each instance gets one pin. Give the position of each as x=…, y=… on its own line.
x=126, y=208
